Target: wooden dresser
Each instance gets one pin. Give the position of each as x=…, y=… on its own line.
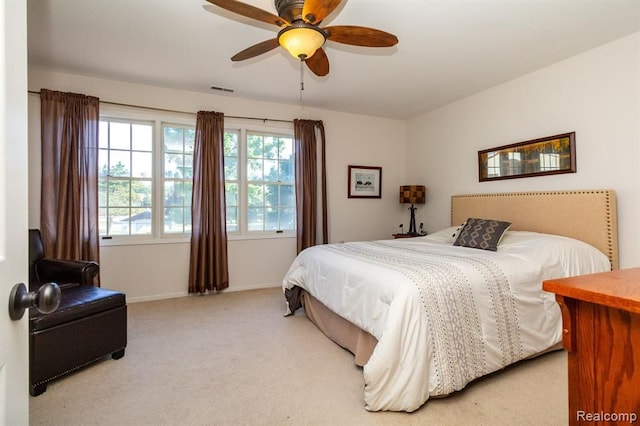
x=601, y=333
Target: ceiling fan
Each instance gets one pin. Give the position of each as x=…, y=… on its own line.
x=300, y=33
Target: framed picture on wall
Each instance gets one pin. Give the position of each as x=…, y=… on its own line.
x=365, y=182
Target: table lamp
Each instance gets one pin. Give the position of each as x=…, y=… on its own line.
x=412, y=194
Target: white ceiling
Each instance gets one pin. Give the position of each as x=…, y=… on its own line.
x=447, y=49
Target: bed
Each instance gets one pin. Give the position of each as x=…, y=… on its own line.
x=424, y=317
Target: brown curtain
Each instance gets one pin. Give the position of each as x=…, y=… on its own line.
x=69, y=187
x=311, y=201
x=208, y=268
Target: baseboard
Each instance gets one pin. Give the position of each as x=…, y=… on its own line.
x=156, y=297
x=231, y=288
x=253, y=286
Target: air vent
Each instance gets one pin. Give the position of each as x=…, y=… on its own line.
x=222, y=89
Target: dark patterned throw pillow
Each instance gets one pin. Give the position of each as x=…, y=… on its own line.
x=482, y=234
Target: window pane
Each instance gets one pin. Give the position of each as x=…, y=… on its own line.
x=188, y=189
x=141, y=193
x=270, y=170
x=256, y=218
x=142, y=164
x=271, y=195
x=231, y=168
x=286, y=149
x=188, y=166
x=287, y=197
x=102, y=220
x=254, y=170
x=120, y=163
x=118, y=193
x=174, y=220
x=286, y=171
x=254, y=146
x=173, y=165
x=272, y=219
x=231, y=144
x=232, y=219
x=103, y=135
x=140, y=221
x=173, y=194
x=270, y=147
x=118, y=221
x=287, y=218
x=142, y=137
x=231, y=194
x=256, y=194
x=102, y=193
x=120, y=136
x=189, y=140
x=103, y=162
x=173, y=139
x=187, y=220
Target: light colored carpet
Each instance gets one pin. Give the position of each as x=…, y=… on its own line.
x=233, y=359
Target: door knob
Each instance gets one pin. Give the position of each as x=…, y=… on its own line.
x=46, y=299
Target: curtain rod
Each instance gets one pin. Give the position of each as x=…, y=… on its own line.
x=178, y=111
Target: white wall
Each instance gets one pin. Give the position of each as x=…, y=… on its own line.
x=156, y=271
x=595, y=94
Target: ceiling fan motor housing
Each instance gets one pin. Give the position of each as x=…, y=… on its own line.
x=290, y=10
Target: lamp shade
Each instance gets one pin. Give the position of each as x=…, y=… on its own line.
x=301, y=40
x=413, y=194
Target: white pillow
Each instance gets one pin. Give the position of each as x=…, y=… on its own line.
x=446, y=235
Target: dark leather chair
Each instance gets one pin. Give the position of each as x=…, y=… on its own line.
x=89, y=324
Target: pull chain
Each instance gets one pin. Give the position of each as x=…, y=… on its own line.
x=301, y=79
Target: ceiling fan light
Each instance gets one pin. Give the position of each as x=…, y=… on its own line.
x=301, y=41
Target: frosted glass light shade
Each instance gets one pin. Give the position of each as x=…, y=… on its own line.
x=301, y=42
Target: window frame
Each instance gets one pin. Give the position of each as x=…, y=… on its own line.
x=131, y=178
x=161, y=118
x=243, y=127
x=163, y=179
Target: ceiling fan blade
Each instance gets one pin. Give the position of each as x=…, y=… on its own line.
x=360, y=36
x=315, y=11
x=256, y=49
x=250, y=12
x=318, y=63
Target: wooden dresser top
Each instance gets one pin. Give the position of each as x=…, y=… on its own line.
x=618, y=289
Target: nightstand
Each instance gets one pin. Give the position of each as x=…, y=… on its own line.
x=408, y=235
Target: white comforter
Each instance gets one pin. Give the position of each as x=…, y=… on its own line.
x=443, y=315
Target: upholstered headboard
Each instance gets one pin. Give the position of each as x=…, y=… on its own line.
x=588, y=215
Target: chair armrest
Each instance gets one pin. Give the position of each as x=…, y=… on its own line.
x=63, y=271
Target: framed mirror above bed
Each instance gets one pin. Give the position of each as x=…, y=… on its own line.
x=538, y=157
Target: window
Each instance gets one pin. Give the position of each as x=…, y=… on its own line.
x=549, y=162
x=270, y=183
x=125, y=177
x=146, y=178
x=514, y=164
x=177, y=183
x=493, y=164
x=259, y=182
x=232, y=179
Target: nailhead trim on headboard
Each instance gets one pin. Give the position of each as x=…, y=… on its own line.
x=598, y=231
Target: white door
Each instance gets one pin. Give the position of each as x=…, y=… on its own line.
x=14, y=351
